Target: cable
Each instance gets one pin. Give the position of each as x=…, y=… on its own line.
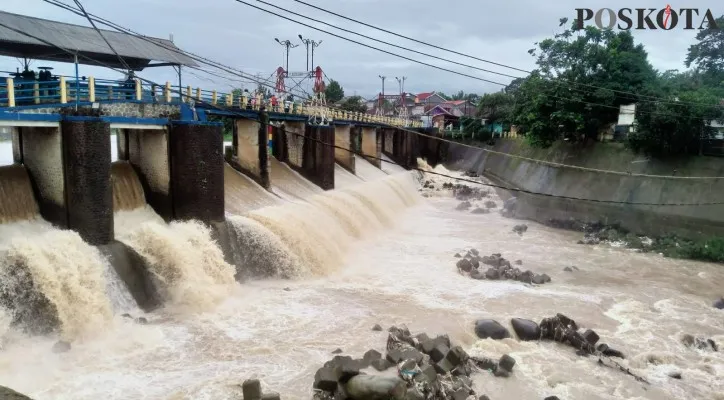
x=388, y=43
x=123, y=62
x=638, y=96
x=445, y=140
x=372, y=47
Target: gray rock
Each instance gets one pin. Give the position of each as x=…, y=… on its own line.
x=374, y=387
x=461, y=394
x=607, y=351
x=526, y=277
x=506, y=362
x=568, y=269
x=9, y=394
x=477, y=274
x=338, y=351
x=520, y=229
x=525, y=329
x=488, y=328
x=719, y=304
x=591, y=336
x=552, y=398
x=675, y=374
x=251, y=388
x=490, y=204
x=483, y=397
x=141, y=321
x=539, y=279
x=380, y=364
x=501, y=373
x=546, y=278
x=457, y=255
x=439, y=352
x=492, y=274
x=427, y=374
x=377, y=328
x=61, y=346
x=474, y=252
x=463, y=206
x=479, y=210
x=464, y=265
x=287, y=289
x=372, y=355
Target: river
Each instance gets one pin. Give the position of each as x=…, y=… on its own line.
x=638, y=303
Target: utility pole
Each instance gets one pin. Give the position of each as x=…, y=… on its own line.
x=287, y=44
x=307, y=43
x=379, y=105
x=314, y=46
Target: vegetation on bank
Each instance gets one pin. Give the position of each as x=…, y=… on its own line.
x=709, y=249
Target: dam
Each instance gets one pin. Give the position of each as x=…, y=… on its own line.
x=145, y=255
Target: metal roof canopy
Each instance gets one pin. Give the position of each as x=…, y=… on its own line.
x=86, y=42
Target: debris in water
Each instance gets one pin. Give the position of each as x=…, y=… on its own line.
x=520, y=229
x=498, y=268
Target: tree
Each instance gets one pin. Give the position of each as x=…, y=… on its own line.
x=496, y=107
x=265, y=91
x=578, y=87
x=355, y=104
x=333, y=92
x=708, y=54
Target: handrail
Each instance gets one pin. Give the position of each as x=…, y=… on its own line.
x=67, y=89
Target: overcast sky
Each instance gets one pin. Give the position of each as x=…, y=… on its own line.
x=243, y=37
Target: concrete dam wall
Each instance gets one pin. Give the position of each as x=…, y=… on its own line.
x=624, y=186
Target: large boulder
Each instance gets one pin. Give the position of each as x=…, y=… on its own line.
x=489, y=328
x=464, y=265
x=525, y=329
x=9, y=394
x=373, y=387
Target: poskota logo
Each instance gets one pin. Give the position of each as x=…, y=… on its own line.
x=666, y=18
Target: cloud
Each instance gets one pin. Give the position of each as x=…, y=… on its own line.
x=240, y=36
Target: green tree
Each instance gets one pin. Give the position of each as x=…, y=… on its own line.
x=559, y=98
x=496, y=107
x=333, y=92
x=355, y=104
x=708, y=54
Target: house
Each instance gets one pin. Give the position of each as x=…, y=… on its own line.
x=441, y=118
x=424, y=102
x=460, y=108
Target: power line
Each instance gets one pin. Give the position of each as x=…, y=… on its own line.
x=638, y=96
x=85, y=13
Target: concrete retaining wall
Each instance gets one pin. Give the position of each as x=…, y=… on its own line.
x=343, y=139
x=197, y=171
x=89, y=195
x=690, y=221
x=251, y=151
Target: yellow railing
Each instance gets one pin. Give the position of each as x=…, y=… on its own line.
x=64, y=91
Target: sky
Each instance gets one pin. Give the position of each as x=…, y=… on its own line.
x=237, y=35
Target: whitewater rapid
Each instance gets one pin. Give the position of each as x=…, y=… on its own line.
x=379, y=253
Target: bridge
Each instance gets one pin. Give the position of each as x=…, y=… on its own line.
x=171, y=135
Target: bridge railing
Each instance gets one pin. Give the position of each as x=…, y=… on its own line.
x=25, y=92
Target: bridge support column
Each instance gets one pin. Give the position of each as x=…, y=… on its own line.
x=70, y=167
x=251, y=151
x=372, y=145
x=294, y=133
x=343, y=139
x=197, y=171
x=318, y=156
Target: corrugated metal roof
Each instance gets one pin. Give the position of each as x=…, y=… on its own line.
x=82, y=39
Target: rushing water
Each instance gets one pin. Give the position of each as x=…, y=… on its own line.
x=379, y=253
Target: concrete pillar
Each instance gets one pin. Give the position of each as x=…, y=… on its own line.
x=343, y=141
x=197, y=171
x=17, y=140
x=388, y=138
x=42, y=154
x=318, y=156
x=251, y=151
x=280, y=151
x=371, y=145
x=89, y=194
x=294, y=139
x=122, y=144
x=148, y=152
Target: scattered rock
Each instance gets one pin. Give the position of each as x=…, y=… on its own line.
x=552, y=398
x=607, y=351
x=251, y=388
x=338, y=351
x=719, y=304
x=287, y=289
x=568, y=269
x=377, y=328
x=489, y=328
x=141, y=321
x=541, y=279
x=479, y=210
x=464, y=265
x=463, y=205
x=591, y=336
x=61, y=346
x=9, y=394
x=490, y=204
x=381, y=364
x=520, y=229
x=675, y=375
x=699, y=343
x=525, y=329
x=375, y=387
x=492, y=274
x=457, y=255
x=506, y=363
